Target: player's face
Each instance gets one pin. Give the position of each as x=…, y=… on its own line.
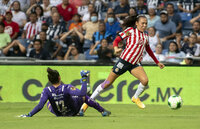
x=142, y=24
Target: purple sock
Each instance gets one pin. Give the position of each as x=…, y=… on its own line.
x=92, y=103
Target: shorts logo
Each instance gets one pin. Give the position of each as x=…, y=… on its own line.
x=120, y=65
x=117, y=70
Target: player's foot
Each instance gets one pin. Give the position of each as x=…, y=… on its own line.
x=84, y=73
x=105, y=113
x=138, y=102
x=81, y=113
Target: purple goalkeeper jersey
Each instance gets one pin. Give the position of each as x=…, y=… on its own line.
x=66, y=100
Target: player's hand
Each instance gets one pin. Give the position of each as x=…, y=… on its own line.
x=84, y=73
x=24, y=115
x=161, y=65
x=117, y=50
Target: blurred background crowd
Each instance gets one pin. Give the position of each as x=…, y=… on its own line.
x=85, y=29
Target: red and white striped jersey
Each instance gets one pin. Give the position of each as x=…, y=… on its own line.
x=136, y=42
x=32, y=29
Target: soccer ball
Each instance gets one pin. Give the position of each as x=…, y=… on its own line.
x=175, y=102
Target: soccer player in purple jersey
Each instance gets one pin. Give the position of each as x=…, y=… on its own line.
x=65, y=99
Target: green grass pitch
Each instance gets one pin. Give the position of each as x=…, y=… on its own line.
x=124, y=116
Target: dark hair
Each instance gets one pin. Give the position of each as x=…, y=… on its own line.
x=131, y=20
x=77, y=15
x=2, y=24
x=196, y=22
x=53, y=7
x=134, y=10
x=42, y=11
x=177, y=51
x=170, y=4
x=38, y=40
x=45, y=24
x=18, y=3
x=53, y=75
x=33, y=13
x=113, y=14
x=152, y=28
x=94, y=13
x=102, y=22
x=193, y=34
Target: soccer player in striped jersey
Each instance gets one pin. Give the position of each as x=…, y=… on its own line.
x=136, y=43
x=65, y=99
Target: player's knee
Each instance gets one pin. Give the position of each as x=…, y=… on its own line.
x=106, y=84
x=144, y=81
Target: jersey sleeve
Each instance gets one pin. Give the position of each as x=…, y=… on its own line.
x=73, y=91
x=41, y=104
x=125, y=34
x=150, y=52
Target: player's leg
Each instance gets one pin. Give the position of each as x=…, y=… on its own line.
x=111, y=78
x=140, y=74
x=50, y=108
x=118, y=69
x=92, y=103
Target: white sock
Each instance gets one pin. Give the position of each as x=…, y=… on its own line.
x=97, y=91
x=139, y=90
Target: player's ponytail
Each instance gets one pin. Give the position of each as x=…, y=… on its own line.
x=53, y=75
x=129, y=22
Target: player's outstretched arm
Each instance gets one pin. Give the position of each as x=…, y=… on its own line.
x=37, y=108
x=149, y=51
x=83, y=91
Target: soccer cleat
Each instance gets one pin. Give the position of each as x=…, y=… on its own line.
x=105, y=113
x=24, y=115
x=81, y=113
x=84, y=73
x=138, y=102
